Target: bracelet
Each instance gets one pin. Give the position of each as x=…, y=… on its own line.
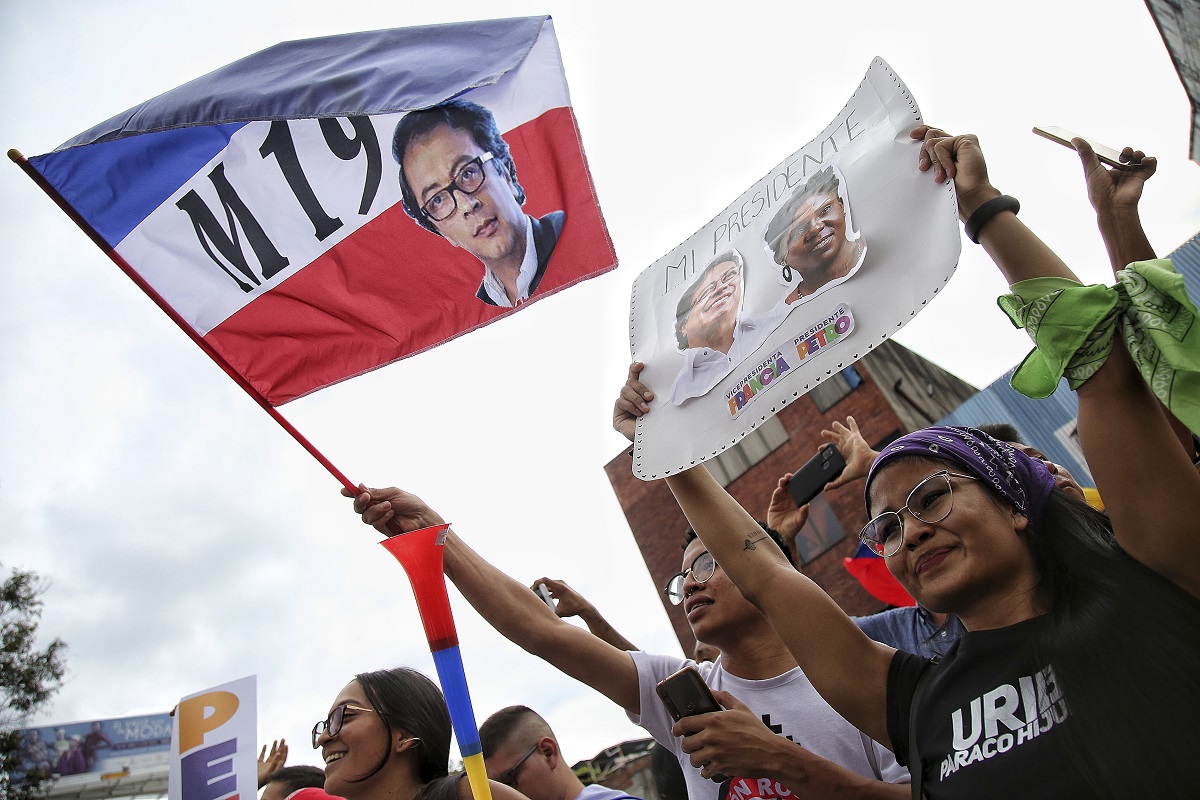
x=983, y=215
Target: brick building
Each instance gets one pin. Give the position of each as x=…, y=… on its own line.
x=889, y=392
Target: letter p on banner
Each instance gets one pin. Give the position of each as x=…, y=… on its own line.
x=213, y=741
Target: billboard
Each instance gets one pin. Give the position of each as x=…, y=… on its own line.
x=132, y=744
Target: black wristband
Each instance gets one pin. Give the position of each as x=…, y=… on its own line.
x=983, y=215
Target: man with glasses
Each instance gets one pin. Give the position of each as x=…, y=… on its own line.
x=711, y=330
x=774, y=719
x=458, y=180
x=520, y=751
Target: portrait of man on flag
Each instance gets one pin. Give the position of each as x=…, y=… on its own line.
x=812, y=236
x=712, y=329
x=458, y=180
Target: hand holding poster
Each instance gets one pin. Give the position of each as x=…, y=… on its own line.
x=829, y=254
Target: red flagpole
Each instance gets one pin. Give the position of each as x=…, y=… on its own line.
x=199, y=340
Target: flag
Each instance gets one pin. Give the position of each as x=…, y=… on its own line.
x=872, y=572
x=264, y=208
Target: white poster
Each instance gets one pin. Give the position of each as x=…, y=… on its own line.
x=826, y=256
x=213, y=755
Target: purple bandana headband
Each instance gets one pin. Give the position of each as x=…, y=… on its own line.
x=1023, y=481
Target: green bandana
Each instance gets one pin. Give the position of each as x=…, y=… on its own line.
x=1072, y=327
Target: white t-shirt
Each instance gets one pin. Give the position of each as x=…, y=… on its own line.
x=598, y=792
x=787, y=703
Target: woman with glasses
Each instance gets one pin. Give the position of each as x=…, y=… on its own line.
x=1079, y=673
x=387, y=737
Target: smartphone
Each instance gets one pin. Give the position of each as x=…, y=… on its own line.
x=809, y=480
x=1063, y=136
x=685, y=694
x=544, y=593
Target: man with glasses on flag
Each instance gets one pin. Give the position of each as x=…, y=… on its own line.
x=458, y=180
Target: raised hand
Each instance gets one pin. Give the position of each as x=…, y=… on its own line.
x=380, y=506
x=782, y=513
x=568, y=602
x=956, y=158
x=1113, y=189
x=853, y=447
x=633, y=402
x=270, y=762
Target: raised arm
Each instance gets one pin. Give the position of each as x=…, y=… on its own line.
x=1151, y=491
x=822, y=639
x=508, y=605
x=570, y=603
x=1115, y=193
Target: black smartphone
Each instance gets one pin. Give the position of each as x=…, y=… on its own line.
x=809, y=480
x=685, y=694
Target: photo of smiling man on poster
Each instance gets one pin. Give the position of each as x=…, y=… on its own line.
x=711, y=329
x=458, y=180
x=812, y=235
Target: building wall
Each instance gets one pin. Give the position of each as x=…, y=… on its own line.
x=658, y=525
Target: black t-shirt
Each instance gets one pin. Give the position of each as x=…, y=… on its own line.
x=989, y=721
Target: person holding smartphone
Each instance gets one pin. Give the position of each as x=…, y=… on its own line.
x=1076, y=674
x=776, y=736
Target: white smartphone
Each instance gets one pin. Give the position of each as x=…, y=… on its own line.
x=1063, y=136
x=544, y=593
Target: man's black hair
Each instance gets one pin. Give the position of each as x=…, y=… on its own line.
x=296, y=778
x=461, y=115
x=497, y=728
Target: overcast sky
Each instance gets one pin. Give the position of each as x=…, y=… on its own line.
x=191, y=542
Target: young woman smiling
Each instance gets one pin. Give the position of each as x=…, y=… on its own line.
x=387, y=737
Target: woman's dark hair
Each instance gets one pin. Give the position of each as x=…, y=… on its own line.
x=443, y=788
x=408, y=701
x=1112, y=675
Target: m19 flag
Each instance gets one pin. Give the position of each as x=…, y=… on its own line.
x=324, y=207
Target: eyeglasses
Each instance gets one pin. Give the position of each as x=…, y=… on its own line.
x=509, y=776
x=333, y=724
x=931, y=501
x=468, y=181
x=703, y=567
x=727, y=277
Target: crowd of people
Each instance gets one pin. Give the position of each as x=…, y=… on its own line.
x=1053, y=647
